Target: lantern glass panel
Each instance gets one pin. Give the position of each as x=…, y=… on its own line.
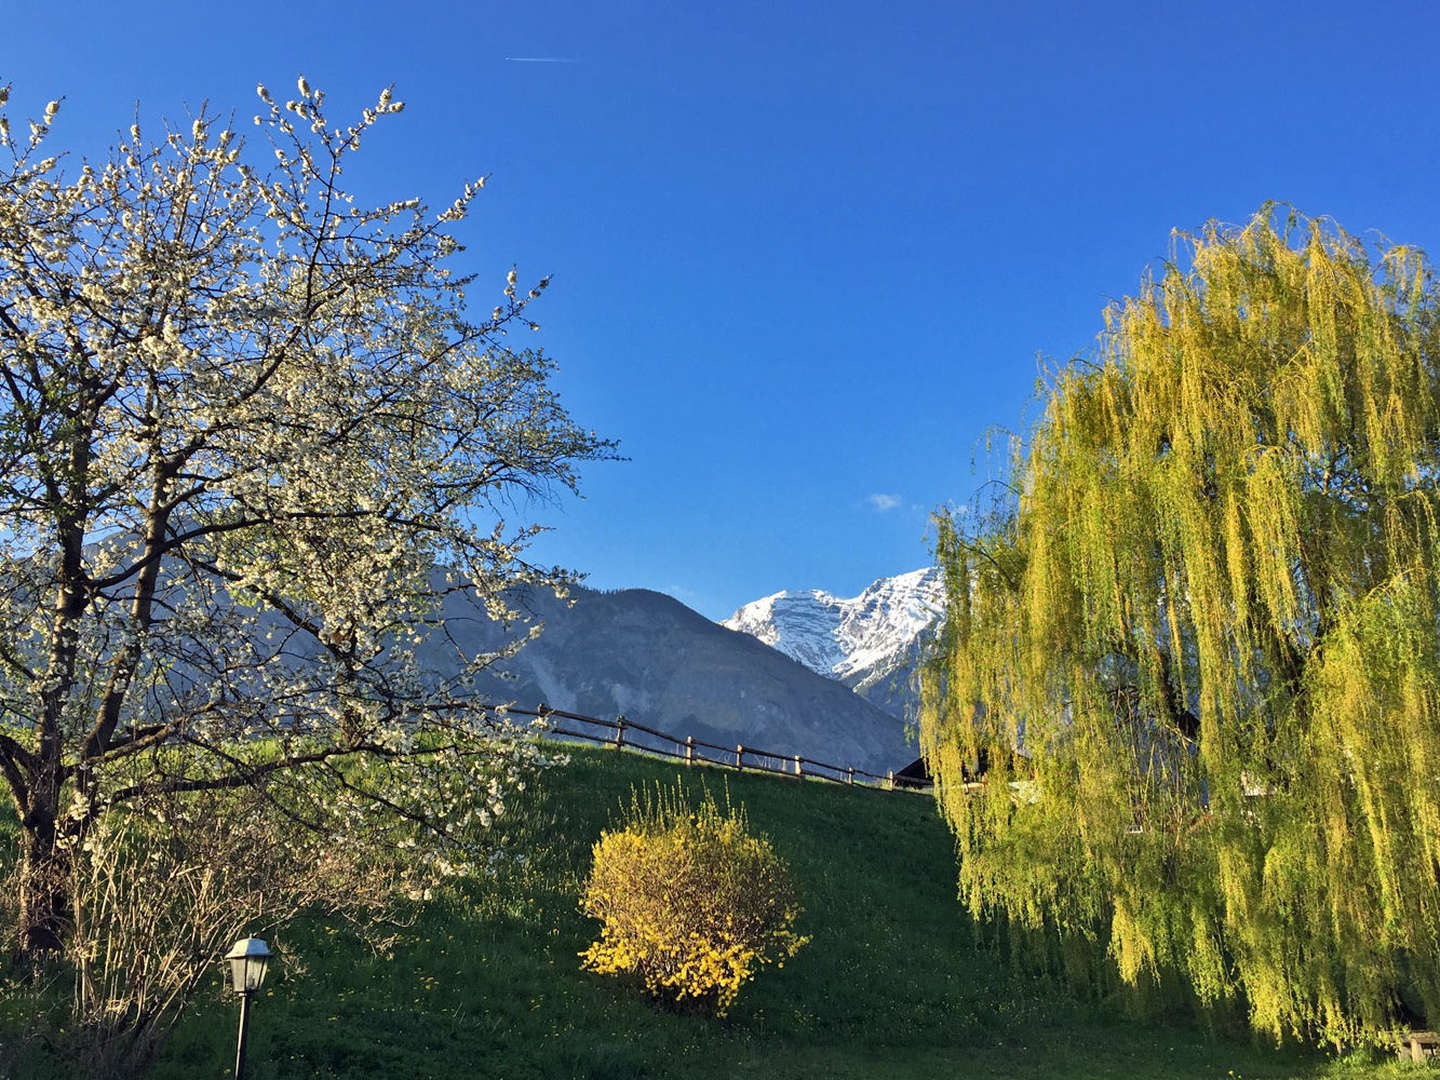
x=247, y=973
x=255, y=971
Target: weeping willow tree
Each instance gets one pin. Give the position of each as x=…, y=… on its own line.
x=1199, y=652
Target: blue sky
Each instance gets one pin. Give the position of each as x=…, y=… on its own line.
x=803, y=256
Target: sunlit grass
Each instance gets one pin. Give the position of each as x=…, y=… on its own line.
x=893, y=983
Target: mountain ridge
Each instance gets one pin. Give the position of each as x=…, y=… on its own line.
x=647, y=656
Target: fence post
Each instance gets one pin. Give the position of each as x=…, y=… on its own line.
x=739, y=758
x=798, y=771
x=619, y=730
x=851, y=778
x=689, y=749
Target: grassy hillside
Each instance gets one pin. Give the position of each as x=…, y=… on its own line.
x=892, y=985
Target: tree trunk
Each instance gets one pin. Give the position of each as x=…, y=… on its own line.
x=44, y=870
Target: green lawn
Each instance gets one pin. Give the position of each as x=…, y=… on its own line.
x=893, y=983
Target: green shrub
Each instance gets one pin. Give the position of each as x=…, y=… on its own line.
x=691, y=902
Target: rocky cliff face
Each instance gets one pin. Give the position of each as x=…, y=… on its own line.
x=871, y=642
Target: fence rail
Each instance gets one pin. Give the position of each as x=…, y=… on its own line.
x=623, y=734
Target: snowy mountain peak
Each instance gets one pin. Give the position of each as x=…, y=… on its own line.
x=856, y=639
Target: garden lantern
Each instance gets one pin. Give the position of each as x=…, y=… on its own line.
x=247, y=959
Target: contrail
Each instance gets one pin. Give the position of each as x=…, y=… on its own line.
x=541, y=60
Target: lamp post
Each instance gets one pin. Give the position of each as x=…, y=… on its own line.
x=247, y=959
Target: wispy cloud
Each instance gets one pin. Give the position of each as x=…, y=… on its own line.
x=540, y=60
x=881, y=502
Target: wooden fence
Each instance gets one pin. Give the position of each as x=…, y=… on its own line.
x=623, y=734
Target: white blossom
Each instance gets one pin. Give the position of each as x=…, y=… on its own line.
x=275, y=465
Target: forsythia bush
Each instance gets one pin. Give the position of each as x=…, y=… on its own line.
x=691, y=902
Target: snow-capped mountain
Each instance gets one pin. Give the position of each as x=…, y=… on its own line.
x=869, y=642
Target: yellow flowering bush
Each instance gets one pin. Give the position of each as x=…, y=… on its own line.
x=691, y=902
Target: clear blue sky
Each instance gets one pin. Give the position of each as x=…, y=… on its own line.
x=804, y=255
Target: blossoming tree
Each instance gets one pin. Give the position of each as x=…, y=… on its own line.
x=249, y=439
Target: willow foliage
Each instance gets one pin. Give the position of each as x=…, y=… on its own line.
x=1207, y=622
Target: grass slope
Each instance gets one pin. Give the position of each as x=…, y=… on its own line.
x=892, y=985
